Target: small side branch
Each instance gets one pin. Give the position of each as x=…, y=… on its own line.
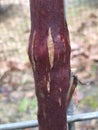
x=74, y=81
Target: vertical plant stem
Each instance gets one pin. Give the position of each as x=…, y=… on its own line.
x=49, y=54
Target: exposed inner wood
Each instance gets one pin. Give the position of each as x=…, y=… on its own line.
x=50, y=48
x=49, y=54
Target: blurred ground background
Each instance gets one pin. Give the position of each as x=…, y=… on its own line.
x=17, y=95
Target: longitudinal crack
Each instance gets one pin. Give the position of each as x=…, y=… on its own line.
x=50, y=45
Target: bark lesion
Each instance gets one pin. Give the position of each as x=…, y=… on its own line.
x=50, y=45
x=49, y=53
x=48, y=83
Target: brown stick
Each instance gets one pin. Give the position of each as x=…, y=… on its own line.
x=73, y=85
x=49, y=53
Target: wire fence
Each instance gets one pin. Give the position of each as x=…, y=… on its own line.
x=34, y=123
x=82, y=18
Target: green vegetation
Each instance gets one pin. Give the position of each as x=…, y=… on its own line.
x=91, y=101
x=26, y=105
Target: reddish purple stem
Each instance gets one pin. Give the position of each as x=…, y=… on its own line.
x=49, y=53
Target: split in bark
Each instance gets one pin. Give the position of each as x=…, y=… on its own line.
x=49, y=54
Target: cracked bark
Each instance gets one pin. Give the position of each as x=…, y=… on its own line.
x=49, y=54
